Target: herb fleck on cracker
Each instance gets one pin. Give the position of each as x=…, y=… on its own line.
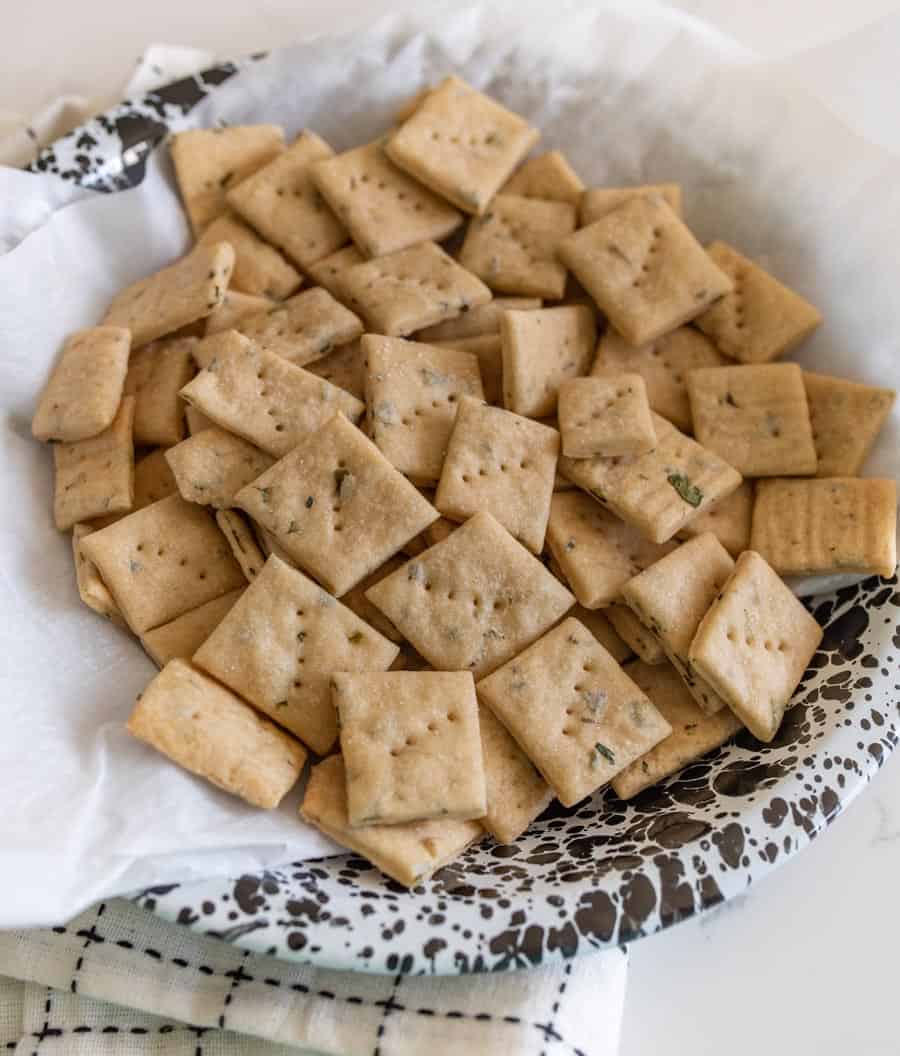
x=600, y=750
x=689, y=492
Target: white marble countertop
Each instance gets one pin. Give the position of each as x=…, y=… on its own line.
x=804, y=963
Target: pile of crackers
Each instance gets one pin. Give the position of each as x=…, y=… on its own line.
x=394, y=504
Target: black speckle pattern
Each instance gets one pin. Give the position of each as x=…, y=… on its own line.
x=604, y=872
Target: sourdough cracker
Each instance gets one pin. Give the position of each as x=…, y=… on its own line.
x=672, y=596
x=644, y=269
x=512, y=247
x=91, y=588
x=729, y=520
x=635, y=634
x=337, y=506
x=199, y=725
x=759, y=319
x=85, y=388
x=242, y=541
x=95, y=477
x=383, y=208
x=279, y=646
x=664, y=365
x=281, y=202
x=481, y=321
x=259, y=269
x=412, y=393
x=263, y=398
x=212, y=467
x=409, y=854
x=541, y=349
x=156, y=375
x=502, y=463
x=605, y=416
x=411, y=746
x=573, y=711
x=175, y=296
x=596, y=552
x=753, y=645
x=233, y=307
x=472, y=601
x=461, y=144
x=756, y=416
x=596, y=202
x=303, y=328
x=162, y=561
x=694, y=733
x=662, y=491
x=209, y=161
x=846, y=417
x=411, y=289
x=548, y=176
x=180, y=638
x=833, y=524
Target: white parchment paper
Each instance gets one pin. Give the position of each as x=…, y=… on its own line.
x=632, y=93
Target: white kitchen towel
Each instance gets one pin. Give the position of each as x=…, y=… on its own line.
x=117, y=979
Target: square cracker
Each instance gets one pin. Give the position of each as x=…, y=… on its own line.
x=337, y=506
x=356, y=600
x=512, y=247
x=644, y=269
x=412, y=392
x=259, y=269
x=211, y=732
x=182, y=637
x=244, y=547
x=598, y=201
x=408, y=854
x=280, y=644
x=461, y=144
x=326, y=272
x=91, y=588
x=548, y=176
x=411, y=746
x=382, y=207
x=281, y=202
x=754, y=643
x=729, y=520
x=759, y=319
x=209, y=161
x=474, y=600
x=481, y=321
x=95, y=477
x=182, y=293
x=662, y=491
x=516, y=792
x=596, y=552
x=635, y=634
x=234, y=306
x=489, y=352
x=503, y=463
x=410, y=289
x=664, y=365
x=754, y=416
x=596, y=622
x=304, y=328
x=156, y=375
x=541, y=349
x=672, y=596
x=344, y=367
x=605, y=416
x=694, y=734
x=212, y=467
x=84, y=391
x=162, y=561
x=260, y=396
x=834, y=524
x=846, y=417
x=573, y=711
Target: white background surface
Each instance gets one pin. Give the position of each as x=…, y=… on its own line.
x=805, y=963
